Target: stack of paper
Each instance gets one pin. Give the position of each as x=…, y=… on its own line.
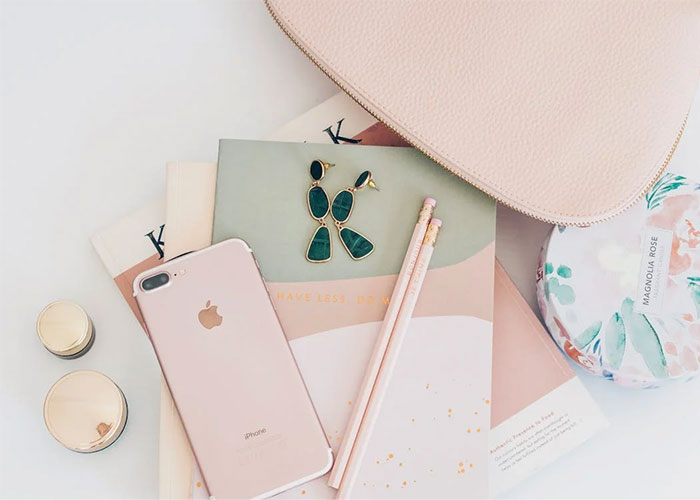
x=538, y=409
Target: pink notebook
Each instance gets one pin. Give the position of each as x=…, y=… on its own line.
x=540, y=408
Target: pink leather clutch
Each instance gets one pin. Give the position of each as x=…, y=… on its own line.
x=565, y=110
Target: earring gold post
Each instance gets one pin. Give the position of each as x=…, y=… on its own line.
x=372, y=184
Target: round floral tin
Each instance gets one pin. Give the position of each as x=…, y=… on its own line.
x=622, y=298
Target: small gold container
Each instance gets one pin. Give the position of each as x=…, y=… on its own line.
x=65, y=329
x=85, y=411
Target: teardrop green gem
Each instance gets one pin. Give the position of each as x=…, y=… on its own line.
x=320, y=247
x=362, y=178
x=318, y=202
x=342, y=205
x=357, y=245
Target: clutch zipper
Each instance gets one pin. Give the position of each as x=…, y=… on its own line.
x=500, y=200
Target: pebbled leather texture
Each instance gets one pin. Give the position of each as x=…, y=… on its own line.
x=566, y=110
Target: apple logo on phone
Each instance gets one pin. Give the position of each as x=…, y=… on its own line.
x=208, y=316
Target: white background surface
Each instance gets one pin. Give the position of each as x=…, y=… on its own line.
x=96, y=97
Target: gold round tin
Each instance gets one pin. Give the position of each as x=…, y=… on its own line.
x=85, y=411
x=65, y=329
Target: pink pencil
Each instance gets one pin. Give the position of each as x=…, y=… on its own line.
x=386, y=368
x=380, y=345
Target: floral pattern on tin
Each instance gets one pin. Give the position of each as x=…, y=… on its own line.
x=622, y=345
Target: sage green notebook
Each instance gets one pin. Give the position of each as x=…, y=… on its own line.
x=332, y=311
x=261, y=197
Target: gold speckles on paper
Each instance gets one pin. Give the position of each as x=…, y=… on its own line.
x=460, y=468
x=337, y=438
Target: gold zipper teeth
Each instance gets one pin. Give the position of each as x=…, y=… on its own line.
x=457, y=173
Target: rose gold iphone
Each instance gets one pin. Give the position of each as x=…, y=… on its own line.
x=246, y=410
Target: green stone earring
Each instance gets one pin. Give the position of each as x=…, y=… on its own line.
x=319, y=249
x=356, y=244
